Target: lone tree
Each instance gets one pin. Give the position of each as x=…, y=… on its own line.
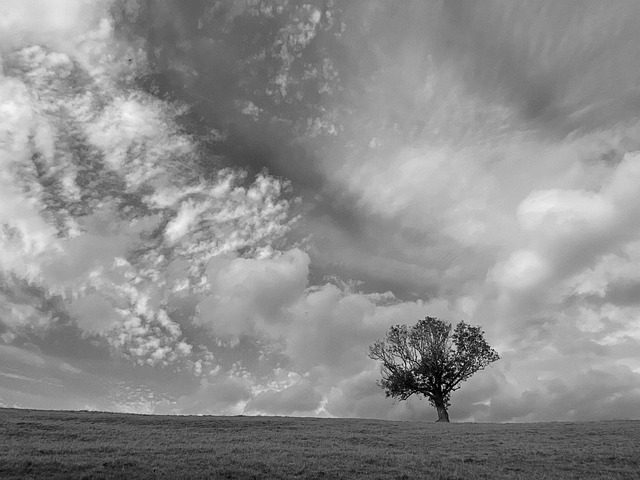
x=429, y=359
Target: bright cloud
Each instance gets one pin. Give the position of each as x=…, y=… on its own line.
x=252, y=293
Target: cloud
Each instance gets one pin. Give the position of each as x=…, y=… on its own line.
x=94, y=314
x=30, y=379
x=298, y=399
x=583, y=394
x=469, y=160
x=512, y=162
x=99, y=189
x=568, y=231
x=252, y=293
x=57, y=21
x=223, y=396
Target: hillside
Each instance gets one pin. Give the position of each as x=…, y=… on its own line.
x=56, y=444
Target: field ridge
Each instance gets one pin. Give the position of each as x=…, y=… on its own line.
x=70, y=444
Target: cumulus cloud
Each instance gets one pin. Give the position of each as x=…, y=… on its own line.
x=102, y=196
x=571, y=228
x=252, y=293
x=515, y=164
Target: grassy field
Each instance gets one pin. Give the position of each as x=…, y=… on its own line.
x=52, y=444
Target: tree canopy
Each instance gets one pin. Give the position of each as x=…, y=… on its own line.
x=432, y=359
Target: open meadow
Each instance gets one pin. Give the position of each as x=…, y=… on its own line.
x=92, y=445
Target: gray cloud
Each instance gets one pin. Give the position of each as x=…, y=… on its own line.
x=297, y=399
x=590, y=395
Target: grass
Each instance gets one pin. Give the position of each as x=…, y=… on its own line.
x=54, y=444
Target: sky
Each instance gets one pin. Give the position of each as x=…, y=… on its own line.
x=216, y=206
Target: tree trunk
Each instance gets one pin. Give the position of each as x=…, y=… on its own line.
x=443, y=415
